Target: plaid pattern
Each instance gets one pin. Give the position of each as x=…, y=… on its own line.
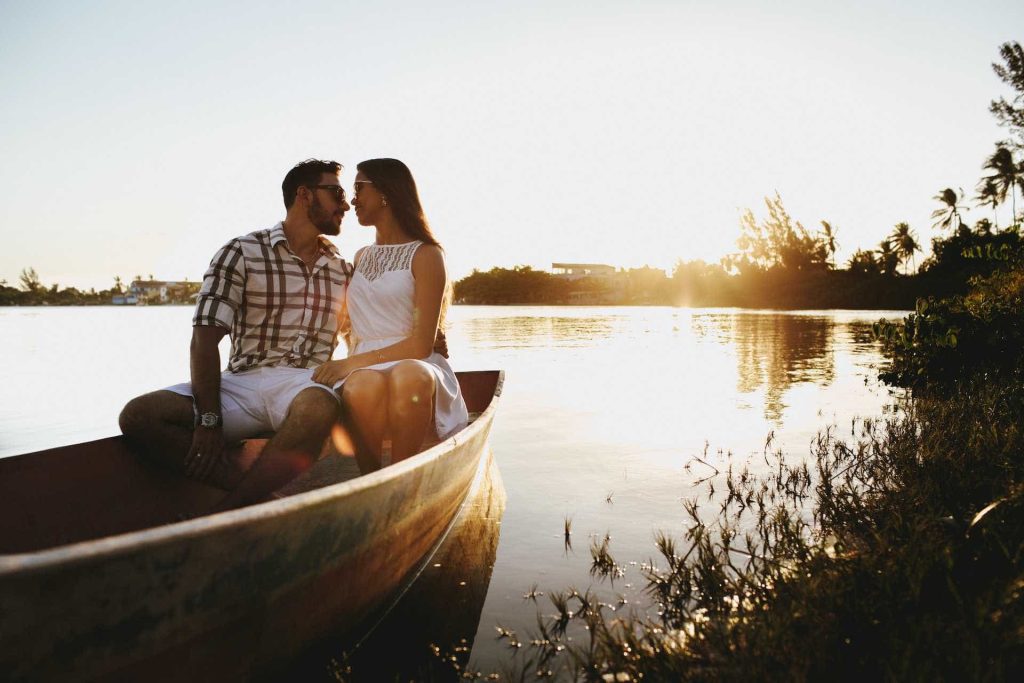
x=277, y=310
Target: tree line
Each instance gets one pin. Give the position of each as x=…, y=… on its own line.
x=780, y=263
x=768, y=272
x=32, y=292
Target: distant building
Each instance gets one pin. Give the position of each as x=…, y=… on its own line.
x=575, y=271
x=150, y=291
x=592, y=283
x=157, y=292
x=598, y=283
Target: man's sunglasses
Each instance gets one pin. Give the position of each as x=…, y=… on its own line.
x=337, y=190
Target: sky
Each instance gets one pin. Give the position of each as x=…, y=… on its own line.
x=137, y=137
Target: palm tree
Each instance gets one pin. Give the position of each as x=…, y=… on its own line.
x=1007, y=174
x=118, y=284
x=988, y=195
x=888, y=258
x=948, y=216
x=829, y=235
x=1011, y=71
x=904, y=241
x=863, y=262
x=30, y=280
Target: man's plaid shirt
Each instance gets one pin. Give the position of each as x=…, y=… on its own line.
x=277, y=310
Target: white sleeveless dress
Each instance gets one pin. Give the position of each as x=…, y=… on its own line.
x=380, y=307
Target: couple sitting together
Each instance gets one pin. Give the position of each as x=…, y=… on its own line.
x=285, y=297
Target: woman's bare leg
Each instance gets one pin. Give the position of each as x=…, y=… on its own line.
x=365, y=399
x=410, y=407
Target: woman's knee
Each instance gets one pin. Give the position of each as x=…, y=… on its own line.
x=410, y=386
x=364, y=390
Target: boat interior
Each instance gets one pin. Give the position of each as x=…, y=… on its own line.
x=101, y=488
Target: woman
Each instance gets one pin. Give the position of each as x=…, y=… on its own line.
x=396, y=388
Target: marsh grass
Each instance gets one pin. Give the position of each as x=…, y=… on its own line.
x=603, y=565
x=898, y=555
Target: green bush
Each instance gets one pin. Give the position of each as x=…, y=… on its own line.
x=976, y=336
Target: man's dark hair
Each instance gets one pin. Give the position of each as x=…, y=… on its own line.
x=305, y=174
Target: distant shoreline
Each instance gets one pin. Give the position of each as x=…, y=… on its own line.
x=93, y=305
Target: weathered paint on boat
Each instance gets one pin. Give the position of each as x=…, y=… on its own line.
x=218, y=597
x=441, y=609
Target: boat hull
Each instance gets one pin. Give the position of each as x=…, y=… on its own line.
x=227, y=596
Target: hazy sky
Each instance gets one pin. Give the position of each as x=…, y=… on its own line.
x=137, y=137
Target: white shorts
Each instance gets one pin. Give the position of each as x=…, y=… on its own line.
x=256, y=401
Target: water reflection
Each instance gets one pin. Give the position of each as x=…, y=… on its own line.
x=440, y=609
x=777, y=351
x=528, y=331
x=862, y=338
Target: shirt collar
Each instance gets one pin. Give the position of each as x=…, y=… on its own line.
x=277, y=235
x=327, y=247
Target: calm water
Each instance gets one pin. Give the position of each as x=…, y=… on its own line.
x=602, y=410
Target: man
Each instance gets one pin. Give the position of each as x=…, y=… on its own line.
x=278, y=292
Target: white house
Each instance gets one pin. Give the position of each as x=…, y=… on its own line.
x=575, y=271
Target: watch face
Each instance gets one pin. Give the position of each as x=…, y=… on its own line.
x=209, y=420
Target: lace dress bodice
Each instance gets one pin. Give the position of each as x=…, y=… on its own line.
x=381, y=310
x=380, y=297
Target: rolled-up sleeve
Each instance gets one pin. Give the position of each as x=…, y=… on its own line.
x=220, y=297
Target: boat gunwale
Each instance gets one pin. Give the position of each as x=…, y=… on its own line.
x=16, y=563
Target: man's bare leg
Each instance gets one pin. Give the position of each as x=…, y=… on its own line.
x=292, y=450
x=159, y=425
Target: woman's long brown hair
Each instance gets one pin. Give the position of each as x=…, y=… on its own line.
x=394, y=180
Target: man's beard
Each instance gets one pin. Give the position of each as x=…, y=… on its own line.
x=322, y=219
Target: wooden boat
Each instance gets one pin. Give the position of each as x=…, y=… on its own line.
x=98, y=580
x=441, y=608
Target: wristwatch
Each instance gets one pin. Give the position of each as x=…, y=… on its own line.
x=208, y=420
